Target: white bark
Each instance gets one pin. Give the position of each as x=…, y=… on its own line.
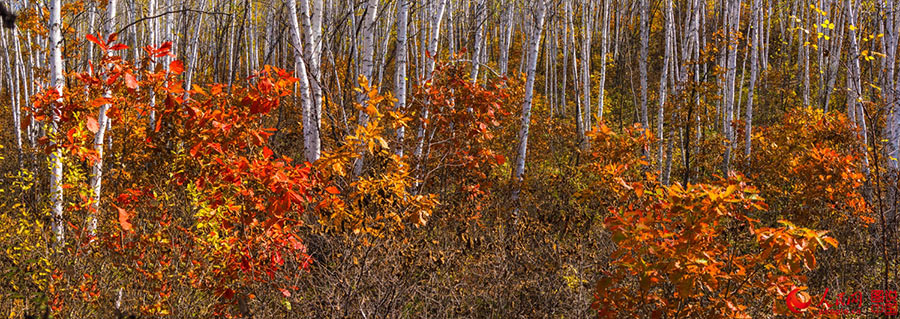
x=366, y=67
x=533, y=45
x=663, y=80
x=732, y=16
x=480, y=13
x=102, y=125
x=12, y=89
x=587, y=30
x=312, y=26
x=400, y=75
x=58, y=82
x=506, y=38
x=154, y=41
x=604, y=47
x=300, y=67
x=435, y=28
x=642, y=63
x=754, y=69
x=853, y=84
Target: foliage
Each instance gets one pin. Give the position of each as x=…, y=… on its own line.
x=696, y=252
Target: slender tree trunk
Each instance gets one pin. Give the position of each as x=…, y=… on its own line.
x=804, y=56
x=192, y=47
x=604, y=47
x=400, y=73
x=579, y=117
x=533, y=46
x=642, y=63
x=480, y=13
x=563, y=98
x=154, y=41
x=853, y=84
x=667, y=58
x=754, y=69
x=312, y=26
x=366, y=67
x=587, y=30
x=732, y=16
x=437, y=15
x=507, y=38
x=300, y=67
x=12, y=89
x=103, y=122
x=57, y=82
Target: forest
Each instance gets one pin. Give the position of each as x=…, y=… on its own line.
x=449, y=158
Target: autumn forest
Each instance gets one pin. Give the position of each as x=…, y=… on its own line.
x=449, y=158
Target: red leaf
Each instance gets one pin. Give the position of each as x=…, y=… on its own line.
x=500, y=159
x=124, y=219
x=92, y=125
x=94, y=39
x=195, y=149
x=285, y=292
x=267, y=153
x=119, y=46
x=176, y=67
x=112, y=37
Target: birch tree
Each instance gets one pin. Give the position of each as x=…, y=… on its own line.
x=400, y=73
x=479, y=35
x=663, y=79
x=303, y=80
x=102, y=126
x=367, y=61
x=604, y=47
x=642, y=63
x=534, y=42
x=506, y=38
x=312, y=26
x=57, y=81
x=754, y=69
x=732, y=16
x=854, y=107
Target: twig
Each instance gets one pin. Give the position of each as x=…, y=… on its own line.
x=167, y=13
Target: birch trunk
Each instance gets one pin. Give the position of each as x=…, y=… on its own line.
x=754, y=69
x=507, y=39
x=300, y=67
x=732, y=16
x=642, y=63
x=312, y=24
x=57, y=82
x=587, y=29
x=103, y=123
x=12, y=89
x=434, y=29
x=533, y=46
x=663, y=80
x=853, y=84
x=604, y=47
x=479, y=35
x=400, y=74
x=366, y=67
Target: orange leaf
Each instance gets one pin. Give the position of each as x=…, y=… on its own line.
x=124, y=220
x=332, y=190
x=176, y=67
